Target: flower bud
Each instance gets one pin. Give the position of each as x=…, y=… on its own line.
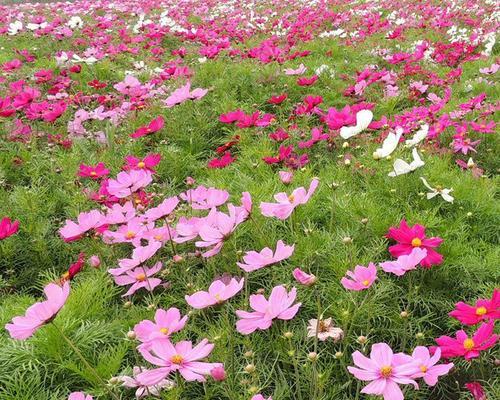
x=362, y=339
x=218, y=373
x=250, y=368
x=338, y=354
x=127, y=304
x=248, y=354
x=347, y=240
x=404, y=314
x=131, y=335
x=177, y=258
x=288, y=335
x=94, y=261
x=312, y=356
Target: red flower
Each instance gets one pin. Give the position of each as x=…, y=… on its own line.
x=154, y=126
x=304, y=81
x=8, y=228
x=409, y=238
x=222, y=162
x=277, y=99
x=484, y=310
x=74, y=268
x=476, y=390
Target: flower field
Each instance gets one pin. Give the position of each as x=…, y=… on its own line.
x=249, y=200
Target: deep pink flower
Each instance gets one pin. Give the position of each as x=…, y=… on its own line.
x=278, y=306
x=182, y=357
x=218, y=292
x=409, y=238
x=221, y=162
x=93, y=172
x=40, y=313
x=385, y=371
x=287, y=203
x=155, y=125
x=405, y=263
x=483, y=127
x=362, y=277
x=277, y=99
x=307, y=81
x=257, y=260
x=476, y=390
x=484, y=310
x=464, y=346
x=138, y=278
x=218, y=373
x=8, y=228
x=148, y=162
x=165, y=324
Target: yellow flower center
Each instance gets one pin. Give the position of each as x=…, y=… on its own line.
x=177, y=359
x=141, y=164
x=416, y=242
x=469, y=344
x=386, y=371
x=423, y=368
x=130, y=235
x=93, y=173
x=482, y=126
x=217, y=297
x=164, y=331
x=158, y=237
x=141, y=277
x=481, y=311
x=366, y=282
x=291, y=198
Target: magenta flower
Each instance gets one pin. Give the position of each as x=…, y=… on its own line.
x=483, y=127
x=286, y=204
x=429, y=371
x=139, y=277
x=80, y=396
x=140, y=255
x=405, y=263
x=303, y=277
x=127, y=183
x=8, y=228
x=182, y=357
x=39, y=313
x=143, y=391
x=484, y=310
x=409, y=238
x=260, y=397
x=148, y=162
x=183, y=94
x=257, y=260
x=155, y=125
x=362, y=277
x=93, y=172
x=86, y=221
x=165, y=324
x=476, y=390
x=278, y=306
x=464, y=346
x=385, y=371
x=218, y=292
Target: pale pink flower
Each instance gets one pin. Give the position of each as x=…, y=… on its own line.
x=182, y=357
x=257, y=260
x=143, y=391
x=119, y=214
x=188, y=228
x=165, y=324
x=304, y=278
x=139, y=277
x=278, y=306
x=129, y=182
x=287, y=203
x=324, y=329
x=94, y=261
x=203, y=198
x=40, y=313
x=131, y=232
x=428, y=370
x=139, y=255
x=183, y=94
x=405, y=263
x=260, y=397
x=80, y=396
x=298, y=71
x=362, y=277
x=86, y=222
x=286, y=176
x=161, y=210
x=246, y=202
x=218, y=292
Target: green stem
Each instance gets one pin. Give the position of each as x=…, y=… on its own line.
x=84, y=361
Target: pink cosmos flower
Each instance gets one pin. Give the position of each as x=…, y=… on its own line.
x=463, y=346
x=304, y=278
x=286, y=204
x=218, y=373
x=298, y=71
x=129, y=182
x=166, y=207
x=131, y=232
x=203, y=198
x=385, y=371
x=86, y=221
x=139, y=277
x=427, y=364
x=94, y=261
x=40, y=313
x=464, y=145
x=188, y=228
x=8, y=228
x=165, y=324
x=182, y=357
x=221, y=162
x=223, y=225
x=127, y=85
x=148, y=162
x=144, y=391
x=324, y=329
x=484, y=310
x=278, y=306
x=286, y=176
x=257, y=260
x=80, y=396
x=476, y=390
x=140, y=255
x=405, y=263
x=218, y=292
x=409, y=238
x=120, y=214
x=260, y=397
x=183, y=94
x=155, y=125
x=362, y=277
x=317, y=135
x=89, y=171
x=483, y=127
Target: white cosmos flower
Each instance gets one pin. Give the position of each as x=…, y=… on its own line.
x=401, y=167
x=15, y=28
x=363, y=119
x=444, y=193
x=389, y=145
x=419, y=135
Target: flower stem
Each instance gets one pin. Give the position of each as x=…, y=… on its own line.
x=84, y=361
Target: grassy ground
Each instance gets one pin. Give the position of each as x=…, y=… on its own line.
x=39, y=187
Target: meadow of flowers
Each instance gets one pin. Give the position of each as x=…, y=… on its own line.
x=249, y=200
